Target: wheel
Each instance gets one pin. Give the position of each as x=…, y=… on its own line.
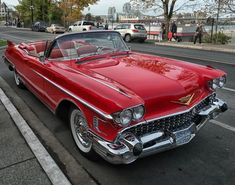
x=79, y=129
x=127, y=38
x=70, y=30
x=18, y=80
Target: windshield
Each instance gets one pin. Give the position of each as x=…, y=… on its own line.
x=80, y=45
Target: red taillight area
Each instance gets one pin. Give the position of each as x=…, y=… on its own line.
x=135, y=31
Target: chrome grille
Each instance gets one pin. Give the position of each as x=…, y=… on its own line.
x=171, y=123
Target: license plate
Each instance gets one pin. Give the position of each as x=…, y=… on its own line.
x=183, y=137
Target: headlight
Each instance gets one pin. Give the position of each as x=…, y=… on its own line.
x=217, y=83
x=138, y=112
x=125, y=117
x=222, y=81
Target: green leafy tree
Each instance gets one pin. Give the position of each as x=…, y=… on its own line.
x=88, y=17
x=72, y=9
x=98, y=19
x=55, y=14
x=63, y=11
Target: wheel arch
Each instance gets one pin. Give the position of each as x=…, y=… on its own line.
x=63, y=108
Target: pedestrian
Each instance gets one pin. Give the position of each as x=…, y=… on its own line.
x=170, y=36
x=174, y=30
x=198, y=34
x=106, y=26
x=162, y=32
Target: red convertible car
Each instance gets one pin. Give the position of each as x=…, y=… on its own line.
x=120, y=104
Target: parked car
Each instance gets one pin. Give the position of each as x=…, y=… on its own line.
x=82, y=26
x=120, y=104
x=132, y=31
x=56, y=28
x=39, y=26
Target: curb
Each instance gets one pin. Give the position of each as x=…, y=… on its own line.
x=23, y=29
x=197, y=47
x=48, y=164
x=74, y=171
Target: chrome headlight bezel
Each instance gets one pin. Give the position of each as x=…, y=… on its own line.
x=126, y=116
x=217, y=83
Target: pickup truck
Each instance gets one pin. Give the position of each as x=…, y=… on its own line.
x=82, y=26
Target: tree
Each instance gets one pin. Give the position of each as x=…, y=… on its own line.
x=64, y=11
x=231, y=6
x=166, y=7
x=89, y=17
x=215, y=8
x=225, y=6
x=73, y=9
x=98, y=19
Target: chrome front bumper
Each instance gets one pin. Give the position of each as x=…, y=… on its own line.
x=127, y=147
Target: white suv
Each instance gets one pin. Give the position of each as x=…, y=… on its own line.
x=82, y=26
x=132, y=31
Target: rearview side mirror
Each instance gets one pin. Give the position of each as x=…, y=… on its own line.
x=42, y=58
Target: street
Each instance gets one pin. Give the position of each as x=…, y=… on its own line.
x=207, y=160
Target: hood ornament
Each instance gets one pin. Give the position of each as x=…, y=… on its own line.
x=185, y=100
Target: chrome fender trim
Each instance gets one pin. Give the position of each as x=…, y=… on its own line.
x=107, y=116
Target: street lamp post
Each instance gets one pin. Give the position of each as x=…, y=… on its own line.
x=6, y=15
x=217, y=16
x=31, y=8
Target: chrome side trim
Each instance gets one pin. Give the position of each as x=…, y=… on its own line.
x=76, y=97
x=174, y=114
x=101, y=82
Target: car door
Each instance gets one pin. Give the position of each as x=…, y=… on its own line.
x=33, y=71
x=79, y=26
x=126, y=28
x=53, y=78
x=119, y=28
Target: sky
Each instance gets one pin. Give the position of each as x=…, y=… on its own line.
x=100, y=8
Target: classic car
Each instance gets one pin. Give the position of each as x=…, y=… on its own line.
x=56, y=28
x=120, y=104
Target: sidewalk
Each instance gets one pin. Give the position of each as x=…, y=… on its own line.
x=230, y=48
x=18, y=165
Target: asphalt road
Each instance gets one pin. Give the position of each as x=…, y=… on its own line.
x=207, y=160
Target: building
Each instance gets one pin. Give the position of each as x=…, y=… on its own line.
x=111, y=14
x=3, y=11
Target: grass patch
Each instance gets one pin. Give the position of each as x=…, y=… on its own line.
x=3, y=42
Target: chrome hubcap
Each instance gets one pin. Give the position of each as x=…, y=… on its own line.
x=17, y=78
x=81, y=130
x=128, y=38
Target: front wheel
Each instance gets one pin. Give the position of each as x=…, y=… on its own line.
x=18, y=80
x=79, y=129
x=127, y=38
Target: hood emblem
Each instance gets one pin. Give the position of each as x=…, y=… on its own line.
x=185, y=100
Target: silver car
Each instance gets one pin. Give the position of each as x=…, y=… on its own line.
x=132, y=31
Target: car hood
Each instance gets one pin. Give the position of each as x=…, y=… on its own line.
x=156, y=80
